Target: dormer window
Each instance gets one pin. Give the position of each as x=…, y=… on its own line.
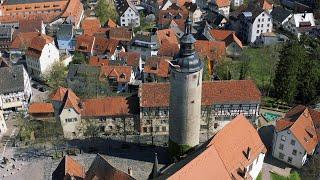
x=122, y=76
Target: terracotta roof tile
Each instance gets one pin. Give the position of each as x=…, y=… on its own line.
x=97, y=61
x=213, y=50
x=69, y=167
x=59, y=94
x=108, y=106
x=225, y=35
x=41, y=108
x=213, y=92
x=111, y=24
x=23, y=40
x=29, y=26
x=223, y=3
x=85, y=43
x=157, y=65
x=37, y=44
x=120, y=33
x=68, y=97
x=122, y=73
x=103, y=45
x=74, y=11
x=90, y=25
x=221, y=156
x=169, y=45
x=266, y=5
x=131, y=58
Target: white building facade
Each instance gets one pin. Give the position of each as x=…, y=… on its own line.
x=3, y=126
x=298, y=21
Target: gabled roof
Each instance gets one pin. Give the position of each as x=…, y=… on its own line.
x=67, y=97
x=90, y=25
x=103, y=45
x=111, y=24
x=12, y=79
x=213, y=92
x=23, y=40
x=30, y=26
x=121, y=73
x=38, y=42
x=97, y=61
x=59, y=94
x=131, y=58
x=85, y=43
x=279, y=14
x=120, y=33
x=213, y=50
x=157, y=65
x=307, y=119
x=123, y=5
x=266, y=5
x=222, y=156
x=40, y=108
x=222, y=3
x=102, y=169
x=68, y=167
x=169, y=45
x=109, y=106
x=65, y=32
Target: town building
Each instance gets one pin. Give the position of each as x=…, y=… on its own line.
x=156, y=69
x=69, y=168
x=6, y=37
x=299, y=23
x=221, y=102
x=111, y=115
x=3, y=125
x=41, y=55
x=168, y=42
x=41, y=111
x=253, y=22
x=146, y=44
x=280, y=16
x=50, y=12
x=85, y=44
x=35, y=25
x=128, y=13
x=15, y=89
x=65, y=37
x=235, y=152
x=132, y=59
x=296, y=136
x=21, y=42
x=222, y=6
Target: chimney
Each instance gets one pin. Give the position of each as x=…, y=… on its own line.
x=130, y=171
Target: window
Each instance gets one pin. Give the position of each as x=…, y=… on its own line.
x=290, y=160
x=250, y=167
x=294, y=152
x=283, y=138
x=281, y=156
x=164, y=129
x=269, y=19
x=215, y=125
x=145, y=129
x=258, y=31
x=258, y=25
x=281, y=146
x=293, y=142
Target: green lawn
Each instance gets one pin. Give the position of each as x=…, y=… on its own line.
x=259, y=64
x=293, y=176
x=259, y=176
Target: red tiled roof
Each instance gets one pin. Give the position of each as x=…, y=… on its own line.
x=120, y=33
x=213, y=50
x=122, y=73
x=69, y=167
x=90, y=25
x=169, y=45
x=41, y=108
x=37, y=44
x=213, y=92
x=225, y=35
x=74, y=10
x=85, y=43
x=157, y=65
x=266, y=5
x=23, y=40
x=68, y=97
x=59, y=94
x=29, y=26
x=132, y=58
x=108, y=106
x=223, y=3
x=111, y=24
x=165, y=16
x=223, y=155
x=103, y=45
x=96, y=61
x=301, y=120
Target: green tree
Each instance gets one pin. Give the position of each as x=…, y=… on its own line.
x=92, y=130
x=311, y=170
x=206, y=74
x=79, y=58
x=286, y=76
x=56, y=76
x=106, y=10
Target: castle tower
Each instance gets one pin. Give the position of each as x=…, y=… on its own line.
x=185, y=96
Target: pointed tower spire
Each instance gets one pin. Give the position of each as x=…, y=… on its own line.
x=154, y=173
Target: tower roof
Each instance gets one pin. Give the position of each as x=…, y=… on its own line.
x=187, y=60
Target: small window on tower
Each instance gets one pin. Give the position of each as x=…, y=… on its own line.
x=192, y=101
x=194, y=76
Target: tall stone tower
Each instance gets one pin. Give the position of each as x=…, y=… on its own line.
x=185, y=96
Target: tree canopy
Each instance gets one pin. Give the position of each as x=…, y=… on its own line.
x=106, y=10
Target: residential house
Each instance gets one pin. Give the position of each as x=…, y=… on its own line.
x=112, y=115
x=222, y=6
x=85, y=44
x=253, y=22
x=3, y=126
x=132, y=59
x=100, y=168
x=296, y=136
x=166, y=16
x=235, y=152
x=156, y=69
x=168, y=42
x=68, y=169
x=124, y=35
x=41, y=55
x=111, y=24
x=270, y=38
x=216, y=19
x=280, y=16
x=211, y=52
x=15, y=89
x=146, y=44
x=118, y=77
x=128, y=13
x=49, y=11
x=90, y=25
x=41, y=111
x=65, y=37
x=35, y=25
x=107, y=48
x=98, y=61
x=221, y=102
x=21, y=43
x=232, y=42
x=300, y=23
x=6, y=37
